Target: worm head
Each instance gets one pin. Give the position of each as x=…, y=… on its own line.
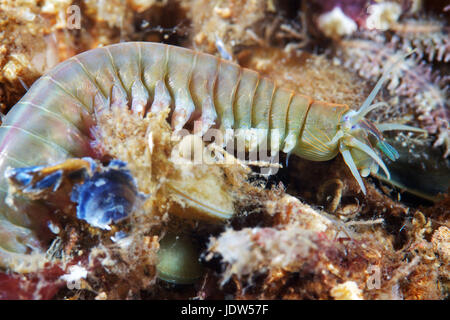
x=360, y=144
x=359, y=139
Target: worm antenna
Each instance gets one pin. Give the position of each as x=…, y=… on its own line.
x=397, y=126
x=362, y=113
x=388, y=150
x=352, y=166
x=385, y=147
x=366, y=106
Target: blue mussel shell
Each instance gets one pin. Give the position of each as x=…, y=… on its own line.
x=109, y=196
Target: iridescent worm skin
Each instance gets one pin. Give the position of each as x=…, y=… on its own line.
x=52, y=121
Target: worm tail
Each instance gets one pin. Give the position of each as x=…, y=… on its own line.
x=49, y=124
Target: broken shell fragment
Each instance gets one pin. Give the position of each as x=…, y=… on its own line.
x=104, y=195
x=37, y=180
x=347, y=291
x=109, y=196
x=199, y=190
x=178, y=260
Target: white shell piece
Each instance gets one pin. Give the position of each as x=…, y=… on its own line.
x=383, y=15
x=336, y=24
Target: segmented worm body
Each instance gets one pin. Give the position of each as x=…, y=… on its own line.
x=52, y=121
